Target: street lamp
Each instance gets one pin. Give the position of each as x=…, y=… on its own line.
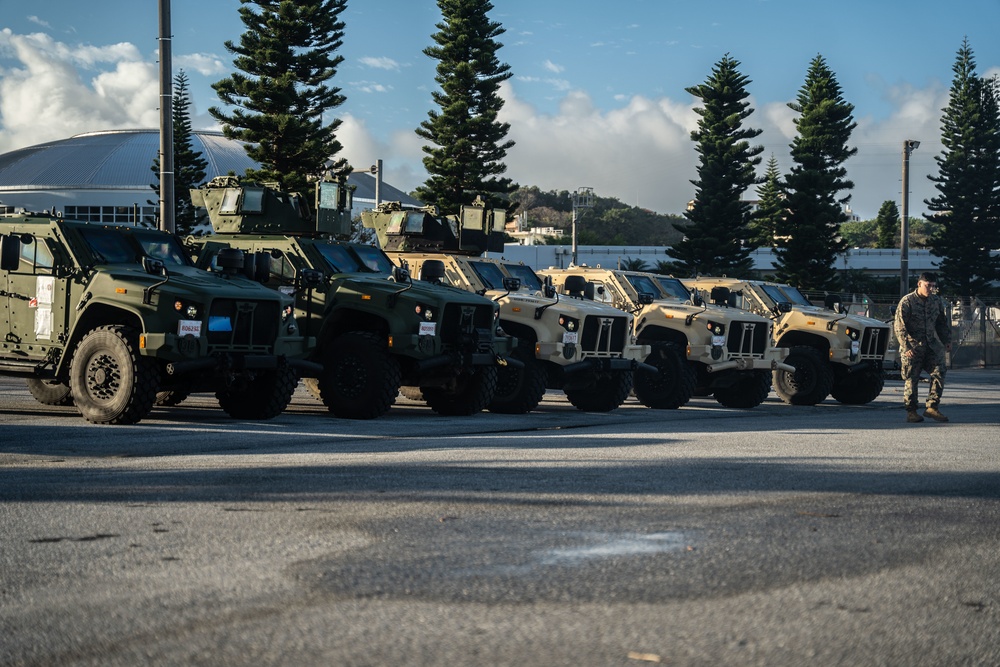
x=582, y=198
x=909, y=145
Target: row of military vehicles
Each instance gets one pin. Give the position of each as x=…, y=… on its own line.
x=117, y=319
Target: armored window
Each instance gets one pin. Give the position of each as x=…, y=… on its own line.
x=230, y=201
x=674, y=288
x=373, y=258
x=529, y=278
x=36, y=255
x=253, y=200
x=491, y=274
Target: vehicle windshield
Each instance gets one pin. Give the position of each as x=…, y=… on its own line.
x=779, y=293
x=644, y=285
x=529, y=278
x=674, y=288
x=491, y=274
x=344, y=258
x=112, y=246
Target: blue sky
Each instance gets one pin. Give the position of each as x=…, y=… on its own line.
x=597, y=95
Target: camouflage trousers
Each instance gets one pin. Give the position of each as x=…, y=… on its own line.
x=923, y=359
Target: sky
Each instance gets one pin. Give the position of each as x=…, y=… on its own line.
x=597, y=97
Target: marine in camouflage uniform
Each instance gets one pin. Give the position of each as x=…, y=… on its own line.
x=924, y=334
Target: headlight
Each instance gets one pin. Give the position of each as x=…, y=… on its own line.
x=187, y=310
x=716, y=328
x=569, y=323
x=426, y=312
x=853, y=334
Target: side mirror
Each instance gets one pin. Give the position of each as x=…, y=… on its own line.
x=575, y=285
x=257, y=266
x=784, y=307
x=548, y=289
x=511, y=284
x=308, y=278
x=720, y=295
x=696, y=299
x=153, y=266
x=645, y=298
x=10, y=253
x=401, y=274
x=830, y=301
x=230, y=260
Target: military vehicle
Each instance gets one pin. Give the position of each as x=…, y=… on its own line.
x=699, y=348
x=376, y=328
x=833, y=352
x=109, y=317
x=565, y=341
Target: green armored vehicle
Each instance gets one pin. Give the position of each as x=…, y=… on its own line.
x=700, y=348
x=112, y=318
x=833, y=352
x=375, y=328
x=565, y=342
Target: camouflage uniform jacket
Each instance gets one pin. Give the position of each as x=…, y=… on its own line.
x=922, y=321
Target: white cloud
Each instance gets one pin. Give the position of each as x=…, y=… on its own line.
x=44, y=95
x=35, y=19
x=370, y=87
x=206, y=64
x=379, y=63
x=552, y=67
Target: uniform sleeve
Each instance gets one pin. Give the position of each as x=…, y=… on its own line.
x=906, y=341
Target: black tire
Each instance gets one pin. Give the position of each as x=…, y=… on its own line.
x=50, y=392
x=360, y=378
x=110, y=381
x=171, y=397
x=810, y=383
x=519, y=390
x=673, y=386
x=471, y=392
x=265, y=396
x=859, y=388
x=608, y=391
x=749, y=392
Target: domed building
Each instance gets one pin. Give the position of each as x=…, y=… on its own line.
x=107, y=176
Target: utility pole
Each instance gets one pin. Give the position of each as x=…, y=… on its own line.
x=582, y=198
x=909, y=145
x=166, y=123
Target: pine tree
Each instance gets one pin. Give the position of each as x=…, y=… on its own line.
x=718, y=222
x=771, y=207
x=189, y=165
x=965, y=212
x=887, y=224
x=468, y=144
x=280, y=95
x=807, y=238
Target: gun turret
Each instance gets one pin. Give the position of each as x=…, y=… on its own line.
x=474, y=231
x=235, y=207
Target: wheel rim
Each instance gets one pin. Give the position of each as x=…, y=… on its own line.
x=349, y=377
x=104, y=377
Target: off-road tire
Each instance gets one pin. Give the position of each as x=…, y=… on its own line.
x=608, y=391
x=470, y=393
x=810, y=383
x=265, y=396
x=519, y=390
x=670, y=388
x=110, y=381
x=748, y=392
x=50, y=392
x=859, y=388
x=360, y=378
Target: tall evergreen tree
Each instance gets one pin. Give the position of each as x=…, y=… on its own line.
x=807, y=238
x=887, y=225
x=718, y=222
x=468, y=144
x=189, y=165
x=771, y=207
x=965, y=211
x=280, y=95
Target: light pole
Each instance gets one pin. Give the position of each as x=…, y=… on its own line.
x=582, y=198
x=909, y=145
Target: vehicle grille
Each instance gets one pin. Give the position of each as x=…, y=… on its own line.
x=604, y=335
x=235, y=323
x=747, y=339
x=874, y=342
x=462, y=320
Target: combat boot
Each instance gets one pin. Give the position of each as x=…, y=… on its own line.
x=935, y=415
x=912, y=417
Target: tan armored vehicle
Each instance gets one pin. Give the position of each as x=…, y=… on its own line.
x=565, y=342
x=832, y=351
x=699, y=348
x=115, y=319
x=375, y=329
